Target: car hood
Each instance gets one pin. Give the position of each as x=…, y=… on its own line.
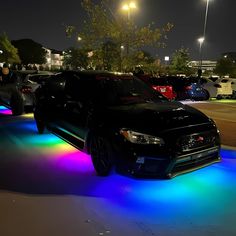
x=155, y=117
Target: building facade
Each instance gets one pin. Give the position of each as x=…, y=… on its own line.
x=206, y=65
x=54, y=59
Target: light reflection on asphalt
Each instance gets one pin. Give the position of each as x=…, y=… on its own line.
x=48, y=165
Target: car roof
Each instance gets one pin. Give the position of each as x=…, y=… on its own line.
x=97, y=74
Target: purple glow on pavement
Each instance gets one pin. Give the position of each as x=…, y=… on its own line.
x=5, y=111
x=205, y=196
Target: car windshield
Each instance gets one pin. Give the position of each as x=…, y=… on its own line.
x=128, y=91
x=158, y=81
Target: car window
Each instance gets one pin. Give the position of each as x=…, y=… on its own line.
x=224, y=81
x=79, y=87
x=203, y=81
x=214, y=79
x=158, y=81
x=127, y=91
x=56, y=84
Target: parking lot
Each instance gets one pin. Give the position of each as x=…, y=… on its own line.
x=50, y=188
x=223, y=112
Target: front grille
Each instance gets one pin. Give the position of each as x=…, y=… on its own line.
x=195, y=141
x=196, y=160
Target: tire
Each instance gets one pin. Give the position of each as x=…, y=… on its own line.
x=234, y=95
x=101, y=155
x=207, y=95
x=218, y=97
x=40, y=124
x=17, y=104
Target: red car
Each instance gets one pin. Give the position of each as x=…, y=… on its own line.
x=161, y=85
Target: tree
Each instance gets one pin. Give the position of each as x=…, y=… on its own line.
x=9, y=53
x=141, y=59
x=111, y=56
x=30, y=52
x=225, y=66
x=179, y=62
x=103, y=25
x=76, y=58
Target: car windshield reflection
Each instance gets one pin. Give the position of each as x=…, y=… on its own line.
x=128, y=91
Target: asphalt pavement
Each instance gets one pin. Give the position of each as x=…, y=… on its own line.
x=47, y=188
x=224, y=114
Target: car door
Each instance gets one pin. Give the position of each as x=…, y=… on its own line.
x=226, y=87
x=4, y=94
x=50, y=100
x=72, y=120
x=210, y=86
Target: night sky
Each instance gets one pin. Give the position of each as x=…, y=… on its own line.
x=44, y=21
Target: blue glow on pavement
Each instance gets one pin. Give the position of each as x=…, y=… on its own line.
x=5, y=111
x=203, y=197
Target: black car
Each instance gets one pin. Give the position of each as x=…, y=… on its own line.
x=18, y=95
x=38, y=77
x=122, y=122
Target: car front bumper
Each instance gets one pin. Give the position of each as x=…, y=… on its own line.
x=167, y=165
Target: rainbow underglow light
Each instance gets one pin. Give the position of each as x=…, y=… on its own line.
x=5, y=111
x=197, y=199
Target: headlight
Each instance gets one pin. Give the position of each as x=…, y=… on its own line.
x=139, y=138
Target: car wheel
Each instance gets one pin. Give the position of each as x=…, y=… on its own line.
x=207, y=95
x=17, y=104
x=40, y=124
x=101, y=155
x=234, y=95
x=218, y=97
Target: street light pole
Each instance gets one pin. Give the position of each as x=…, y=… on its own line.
x=205, y=20
x=200, y=40
x=121, y=57
x=205, y=25
x=128, y=7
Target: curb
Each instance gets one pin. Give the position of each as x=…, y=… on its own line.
x=228, y=147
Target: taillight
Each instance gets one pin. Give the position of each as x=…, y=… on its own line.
x=26, y=89
x=155, y=87
x=217, y=85
x=188, y=87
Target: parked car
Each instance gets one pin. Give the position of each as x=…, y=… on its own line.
x=161, y=85
x=188, y=88
x=233, y=85
x=124, y=123
x=218, y=88
x=18, y=96
x=39, y=77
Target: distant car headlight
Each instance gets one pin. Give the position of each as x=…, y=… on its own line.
x=140, y=138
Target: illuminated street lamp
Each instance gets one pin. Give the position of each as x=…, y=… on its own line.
x=128, y=7
x=167, y=59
